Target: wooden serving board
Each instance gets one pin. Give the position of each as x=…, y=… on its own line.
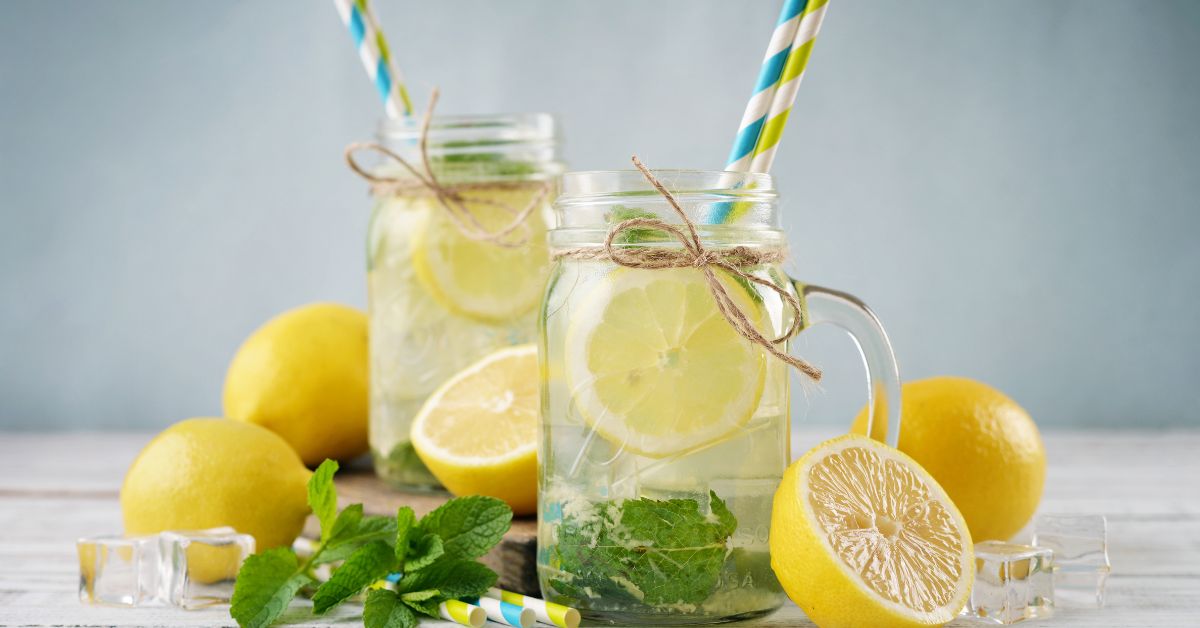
x=514, y=559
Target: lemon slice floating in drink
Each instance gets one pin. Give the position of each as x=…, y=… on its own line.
x=653, y=366
x=479, y=279
x=478, y=432
x=861, y=535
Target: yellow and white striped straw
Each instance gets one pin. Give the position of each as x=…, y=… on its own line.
x=462, y=613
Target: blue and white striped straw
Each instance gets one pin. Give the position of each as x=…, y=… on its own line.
x=376, y=59
x=742, y=154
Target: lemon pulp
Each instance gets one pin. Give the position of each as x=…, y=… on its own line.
x=880, y=518
x=653, y=365
x=862, y=535
x=478, y=432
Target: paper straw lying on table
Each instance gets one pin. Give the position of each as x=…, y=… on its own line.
x=546, y=612
x=462, y=613
x=376, y=59
x=502, y=612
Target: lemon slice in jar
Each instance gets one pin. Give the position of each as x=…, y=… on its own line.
x=653, y=365
x=861, y=535
x=480, y=279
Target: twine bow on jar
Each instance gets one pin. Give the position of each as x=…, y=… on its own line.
x=450, y=196
x=695, y=255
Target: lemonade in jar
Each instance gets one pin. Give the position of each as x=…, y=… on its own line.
x=665, y=421
x=456, y=259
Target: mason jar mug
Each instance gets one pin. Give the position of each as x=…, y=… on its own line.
x=665, y=426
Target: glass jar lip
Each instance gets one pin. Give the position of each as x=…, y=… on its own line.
x=583, y=186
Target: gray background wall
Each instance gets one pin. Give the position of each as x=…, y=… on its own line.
x=1013, y=186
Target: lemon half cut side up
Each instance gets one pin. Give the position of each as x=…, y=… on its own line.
x=862, y=535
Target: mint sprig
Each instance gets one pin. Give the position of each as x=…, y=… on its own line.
x=435, y=554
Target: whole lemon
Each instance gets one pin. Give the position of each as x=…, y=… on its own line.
x=303, y=375
x=207, y=472
x=981, y=446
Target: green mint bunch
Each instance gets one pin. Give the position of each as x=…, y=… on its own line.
x=435, y=554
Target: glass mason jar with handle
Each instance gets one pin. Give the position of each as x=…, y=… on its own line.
x=665, y=425
x=456, y=259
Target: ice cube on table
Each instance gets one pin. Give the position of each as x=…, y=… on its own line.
x=1012, y=583
x=118, y=571
x=198, y=567
x=1081, y=565
x=189, y=569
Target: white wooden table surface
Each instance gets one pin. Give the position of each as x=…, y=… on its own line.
x=57, y=487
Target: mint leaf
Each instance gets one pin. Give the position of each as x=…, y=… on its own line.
x=419, y=596
x=621, y=213
x=383, y=609
x=345, y=541
x=425, y=607
x=469, y=526
x=366, y=565
x=725, y=518
x=448, y=578
x=322, y=496
x=643, y=551
x=423, y=552
x=265, y=586
x=347, y=521
x=405, y=521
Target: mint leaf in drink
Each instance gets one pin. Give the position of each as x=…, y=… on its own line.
x=620, y=213
x=664, y=553
x=447, y=579
x=322, y=496
x=423, y=551
x=469, y=526
x=406, y=520
x=384, y=609
x=265, y=586
x=725, y=520
x=367, y=564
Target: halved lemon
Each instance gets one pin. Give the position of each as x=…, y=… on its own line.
x=478, y=432
x=480, y=279
x=654, y=367
x=861, y=535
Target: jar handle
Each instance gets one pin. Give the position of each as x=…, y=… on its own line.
x=822, y=305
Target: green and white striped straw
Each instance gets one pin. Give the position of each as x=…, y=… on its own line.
x=375, y=56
